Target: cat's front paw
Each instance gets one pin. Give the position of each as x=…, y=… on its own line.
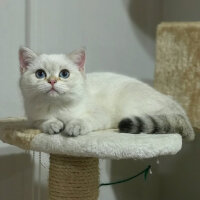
x=75, y=128
x=53, y=126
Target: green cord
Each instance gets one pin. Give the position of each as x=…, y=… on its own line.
x=145, y=172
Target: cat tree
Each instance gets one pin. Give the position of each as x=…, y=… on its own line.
x=74, y=172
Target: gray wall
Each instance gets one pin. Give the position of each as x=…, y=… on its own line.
x=120, y=37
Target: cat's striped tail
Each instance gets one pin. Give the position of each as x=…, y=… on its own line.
x=157, y=124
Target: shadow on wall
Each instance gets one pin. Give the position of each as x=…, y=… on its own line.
x=17, y=177
x=180, y=175
x=137, y=188
x=145, y=16
x=16, y=174
x=181, y=10
x=176, y=177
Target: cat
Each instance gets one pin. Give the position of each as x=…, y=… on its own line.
x=59, y=97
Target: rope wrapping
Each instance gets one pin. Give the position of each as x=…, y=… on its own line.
x=73, y=178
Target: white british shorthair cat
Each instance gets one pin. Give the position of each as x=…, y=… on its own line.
x=60, y=98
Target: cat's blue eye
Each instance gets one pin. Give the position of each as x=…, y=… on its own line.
x=64, y=73
x=40, y=74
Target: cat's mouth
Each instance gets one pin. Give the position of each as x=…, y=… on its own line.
x=52, y=90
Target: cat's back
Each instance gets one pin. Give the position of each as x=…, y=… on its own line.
x=107, y=80
x=123, y=90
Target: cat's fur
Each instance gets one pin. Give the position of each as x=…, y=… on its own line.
x=87, y=102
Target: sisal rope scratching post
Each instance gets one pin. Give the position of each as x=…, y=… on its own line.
x=73, y=178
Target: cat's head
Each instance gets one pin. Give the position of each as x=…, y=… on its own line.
x=54, y=76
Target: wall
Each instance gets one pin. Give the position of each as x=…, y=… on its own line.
x=15, y=164
x=12, y=35
x=120, y=37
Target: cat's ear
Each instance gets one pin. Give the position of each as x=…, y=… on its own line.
x=78, y=58
x=26, y=56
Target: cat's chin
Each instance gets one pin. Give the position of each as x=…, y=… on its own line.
x=53, y=93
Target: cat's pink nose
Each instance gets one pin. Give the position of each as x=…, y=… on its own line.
x=52, y=82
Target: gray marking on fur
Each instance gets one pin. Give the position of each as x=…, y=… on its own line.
x=161, y=124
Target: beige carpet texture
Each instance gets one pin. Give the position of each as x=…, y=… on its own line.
x=178, y=65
